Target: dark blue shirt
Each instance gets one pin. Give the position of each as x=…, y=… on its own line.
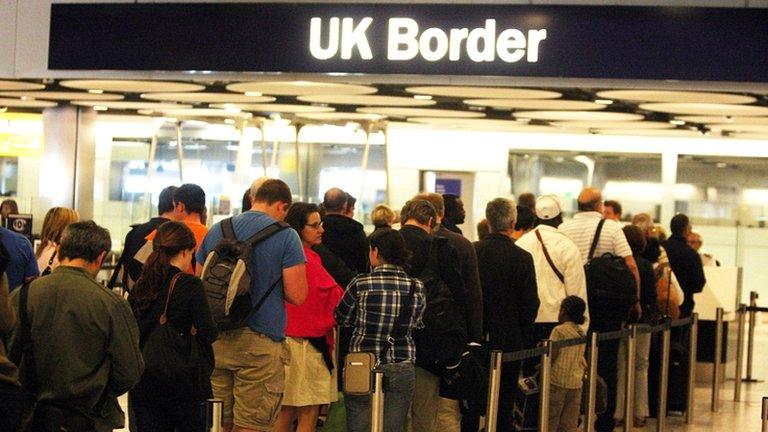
x=23, y=264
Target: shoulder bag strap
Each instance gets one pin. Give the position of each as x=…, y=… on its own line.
x=164, y=316
x=400, y=328
x=266, y=233
x=116, y=272
x=596, y=239
x=549, y=258
x=227, y=229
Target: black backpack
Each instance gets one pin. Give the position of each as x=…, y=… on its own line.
x=443, y=340
x=227, y=275
x=611, y=286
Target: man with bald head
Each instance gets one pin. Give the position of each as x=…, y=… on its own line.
x=582, y=229
x=343, y=235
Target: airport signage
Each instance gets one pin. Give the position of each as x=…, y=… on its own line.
x=612, y=42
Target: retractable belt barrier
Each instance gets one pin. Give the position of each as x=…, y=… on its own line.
x=592, y=340
x=741, y=313
x=214, y=415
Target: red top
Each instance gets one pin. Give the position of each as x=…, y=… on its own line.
x=314, y=318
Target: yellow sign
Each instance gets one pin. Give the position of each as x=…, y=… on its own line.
x=16, y=144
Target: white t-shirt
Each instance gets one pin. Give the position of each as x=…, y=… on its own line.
x=581, y=229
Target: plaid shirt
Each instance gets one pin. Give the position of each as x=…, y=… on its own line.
x=372, y=303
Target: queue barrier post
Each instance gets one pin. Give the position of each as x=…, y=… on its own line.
x=214, y=415
x=629, y=378
x=751, y=337
x=692, y=347
x=377, y=402
x=764, y=415
x=589, y=415
x=717, y=360
x=739, y=352
x=544, y=388
x=494, y=386
x=661, y=417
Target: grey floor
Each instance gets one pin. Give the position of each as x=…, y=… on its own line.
x=732, y=416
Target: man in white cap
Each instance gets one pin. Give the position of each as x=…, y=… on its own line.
x=558, y=264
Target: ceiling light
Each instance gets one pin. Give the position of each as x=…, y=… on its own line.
x=422, y=97
x=229, y=121
x=95, y=91
x=232, y=109
x=721, y=165
x=24, y=98
x=302, y=83
x=603, y=101
x=253, y=94
x=352, y=125
x=677, y=122
x=100, y=108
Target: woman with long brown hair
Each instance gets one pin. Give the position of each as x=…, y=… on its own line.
x=54, y=223
x=165, y=295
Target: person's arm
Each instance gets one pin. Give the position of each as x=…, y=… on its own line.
x=421, y=304
x=347, y=307
x=201, y=313
x=123, y=349
x=697, y=272
x=448, y=270
x=31, y=270
x=295, y=284
x=335, y=266
x=529, y=292
x=474, y=305
x=575, y=281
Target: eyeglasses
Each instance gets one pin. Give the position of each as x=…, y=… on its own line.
x=316, y=225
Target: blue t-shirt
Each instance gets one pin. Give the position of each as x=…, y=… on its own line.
x=282, y=250
x=23, y=263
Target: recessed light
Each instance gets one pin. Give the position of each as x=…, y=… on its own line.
x=100, y=108
x=24, y=98
x=232, y=109
x=677, y=122
x=603, y=101
x=229, y=121
x=721, y=165
x=253, y=94
x=422, y=97
x=95, y=91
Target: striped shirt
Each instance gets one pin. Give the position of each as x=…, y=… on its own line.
x=568, y=367
x=372, y=304
x=581, y=229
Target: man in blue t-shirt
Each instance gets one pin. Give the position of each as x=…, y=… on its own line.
x=250, y=375
x=22, y=264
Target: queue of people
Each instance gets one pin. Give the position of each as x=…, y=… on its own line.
x=419, y=299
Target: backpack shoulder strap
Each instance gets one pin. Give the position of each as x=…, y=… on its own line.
x=596, y=239
x=549, y=258
x=266, y=233
x=227, y=229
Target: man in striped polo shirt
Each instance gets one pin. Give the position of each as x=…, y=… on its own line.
x=581, y=229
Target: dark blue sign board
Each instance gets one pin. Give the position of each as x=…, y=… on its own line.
x=656, y=43
x=448, y=186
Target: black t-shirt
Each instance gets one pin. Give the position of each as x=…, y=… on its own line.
x=134, y=240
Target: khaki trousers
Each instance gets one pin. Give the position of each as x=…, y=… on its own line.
x=429, y=411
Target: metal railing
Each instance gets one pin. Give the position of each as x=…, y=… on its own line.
x=549, y=347
x=214, y=415
x=742, y=313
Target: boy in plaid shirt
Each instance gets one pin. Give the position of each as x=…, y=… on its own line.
x=568, y=366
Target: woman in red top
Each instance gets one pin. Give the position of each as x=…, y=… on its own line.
x=309, y=379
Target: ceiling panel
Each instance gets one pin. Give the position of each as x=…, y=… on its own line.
x=341, y=116
x=367, y=100
x=706, y=109
x=420, y=112
x=300, y=88
x=63, y=96
x=514, y=104
x=276, y=108
x=132, y=86
x=18, y=103
x=205, y=97
x=723, y=119
x=677, y=133
x=577, y=116
x=486, y=124
x=120, y=105
x=465, y=92
x=6, y=85
x=197, y=112
x=675, y=96
x=613, y=125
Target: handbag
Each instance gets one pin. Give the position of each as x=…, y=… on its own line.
x=170, y=355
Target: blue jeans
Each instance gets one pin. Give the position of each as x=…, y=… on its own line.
x=398, y=393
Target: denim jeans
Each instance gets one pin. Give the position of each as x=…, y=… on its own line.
x=398, y=392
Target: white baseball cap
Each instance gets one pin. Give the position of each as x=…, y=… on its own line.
x=547, y=207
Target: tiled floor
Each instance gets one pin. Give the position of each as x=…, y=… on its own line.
x=733, y=416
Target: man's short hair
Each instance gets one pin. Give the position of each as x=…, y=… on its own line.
x=525, y=218
x=635, y=238
x=435, y=199
x=590, y=205
x=614, y=205
x=272, y=191
x=165, y=201
x=679, y=223
x=501, y=214
x=527, y=199
x=419, y=210
x=84, y=240
x=334, y=200
x=351, y=201
x=192, y=196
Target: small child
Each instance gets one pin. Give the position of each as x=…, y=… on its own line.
x=568, y=366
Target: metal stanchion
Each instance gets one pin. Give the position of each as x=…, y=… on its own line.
x=629, y=378
x=751, y=338
x=716, y=361
x=377, y=402
x=214, y=415
x=661, y=417
x=692, y=347
x=544, y=387
x=494, y=385
x=739, y=352
x=589, y=415
x=764, y=415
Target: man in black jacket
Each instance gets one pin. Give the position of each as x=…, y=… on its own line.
x=510, y=296
x=685, y=262
x=430, y=412
x=343, y=235
x=129, y=269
